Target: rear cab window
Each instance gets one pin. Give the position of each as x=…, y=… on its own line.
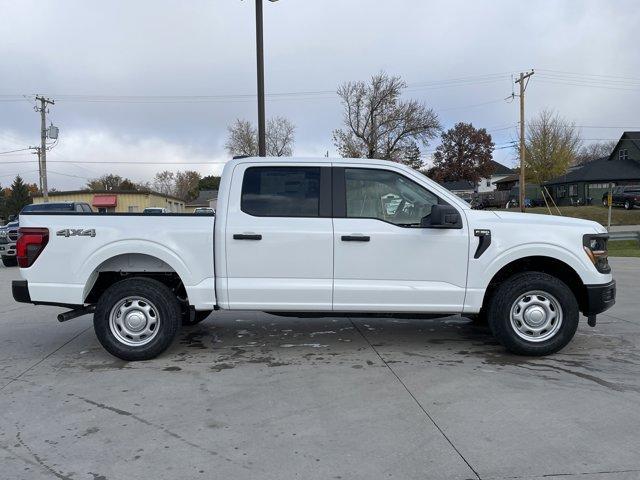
x=281, y=191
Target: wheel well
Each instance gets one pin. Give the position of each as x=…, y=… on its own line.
x=548, y=265
x=134, y=265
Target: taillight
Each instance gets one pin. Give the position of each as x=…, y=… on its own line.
x=31, y=241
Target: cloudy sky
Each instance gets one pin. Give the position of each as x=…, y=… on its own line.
x=142, y=86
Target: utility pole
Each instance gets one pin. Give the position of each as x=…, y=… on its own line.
x=262, y=129
x=36, y=151
x=523, y=87
x=42, y=152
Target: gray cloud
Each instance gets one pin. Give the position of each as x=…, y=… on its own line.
x=171, y=48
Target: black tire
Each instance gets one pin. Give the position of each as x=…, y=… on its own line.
x=605, y=203
x=194, y=317
x=165, y=307
x=10, y=261
x=478, y=319
x=505, y=297
x=628, y=205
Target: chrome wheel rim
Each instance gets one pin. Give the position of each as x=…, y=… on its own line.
x=536, y=316
x=134, y=321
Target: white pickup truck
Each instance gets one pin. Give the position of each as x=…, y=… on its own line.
x=318, y=237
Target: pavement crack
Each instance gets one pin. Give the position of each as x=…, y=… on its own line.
x=44, y=358
x=417, y=402
x=38, y=459
x=144, y=421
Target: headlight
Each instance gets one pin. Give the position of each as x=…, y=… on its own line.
x=3, y=234
x=595, y=246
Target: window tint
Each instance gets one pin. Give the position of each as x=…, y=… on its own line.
x=87, y=208
x=281, y=191
x=387, y=196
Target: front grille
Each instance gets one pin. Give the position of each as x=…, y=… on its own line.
x=13, y=235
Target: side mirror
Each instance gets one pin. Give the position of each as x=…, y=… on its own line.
x=442, y=216
x=12, y=218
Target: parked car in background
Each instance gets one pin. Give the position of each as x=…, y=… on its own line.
x=9, y=233
x=154, y=210
x=80, y=207
x=205, y=211
x=8, y=237
x=626, y=196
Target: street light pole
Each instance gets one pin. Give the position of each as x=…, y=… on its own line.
x=262, y=129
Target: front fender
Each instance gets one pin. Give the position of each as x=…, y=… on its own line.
x=581, y=266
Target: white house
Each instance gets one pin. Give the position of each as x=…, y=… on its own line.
x=499, y=172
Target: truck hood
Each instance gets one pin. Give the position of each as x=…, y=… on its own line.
x=535, y=219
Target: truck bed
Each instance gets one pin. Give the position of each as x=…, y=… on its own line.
x=82, y=245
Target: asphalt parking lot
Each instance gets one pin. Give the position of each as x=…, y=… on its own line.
x=253, y=396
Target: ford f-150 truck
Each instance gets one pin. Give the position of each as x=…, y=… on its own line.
x=318, y=237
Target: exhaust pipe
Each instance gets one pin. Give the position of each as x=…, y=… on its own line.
x=78, y=312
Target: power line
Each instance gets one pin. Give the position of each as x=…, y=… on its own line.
x=14, y=151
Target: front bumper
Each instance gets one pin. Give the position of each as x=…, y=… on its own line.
x=600, y=298
x=7, y=249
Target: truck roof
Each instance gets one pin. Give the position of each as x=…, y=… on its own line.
x=364, y=161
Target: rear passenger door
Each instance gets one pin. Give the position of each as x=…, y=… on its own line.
x=279, y=237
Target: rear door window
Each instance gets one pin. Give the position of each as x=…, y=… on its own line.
x=281, y=192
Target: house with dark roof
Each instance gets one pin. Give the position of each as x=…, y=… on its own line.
x=205, y=198
x=590, y=181
x=499, y=172
x=463, y=188
x=488, y=184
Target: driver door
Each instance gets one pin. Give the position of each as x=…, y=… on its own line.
x=383, y=260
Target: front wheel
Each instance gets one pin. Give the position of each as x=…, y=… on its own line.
x=137, y=318
x=533, y=313
x=628, y=205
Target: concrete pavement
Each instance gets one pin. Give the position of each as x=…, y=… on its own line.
x=252, y=396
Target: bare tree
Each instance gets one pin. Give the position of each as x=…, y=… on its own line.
x=280, y=137
x=243, y=138
x=186, y=185
x=379, y=124
x=107, y=182
x=551, y=146
x=594, y=151
x=163, y=182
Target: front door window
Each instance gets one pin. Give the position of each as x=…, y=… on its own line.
x=386, y=196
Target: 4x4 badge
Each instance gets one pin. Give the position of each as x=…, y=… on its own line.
x=76, y=232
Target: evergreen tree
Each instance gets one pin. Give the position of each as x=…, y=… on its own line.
x=19, y=197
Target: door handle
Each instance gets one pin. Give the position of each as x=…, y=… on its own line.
x=247, y=236
x=355, y=238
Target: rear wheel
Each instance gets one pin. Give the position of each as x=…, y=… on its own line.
x=137, y=318
x=533, y=313
x=628, y=205
x=605, y=203
x=9, y=261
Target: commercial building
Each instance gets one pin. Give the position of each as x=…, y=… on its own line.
x=108, y=201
